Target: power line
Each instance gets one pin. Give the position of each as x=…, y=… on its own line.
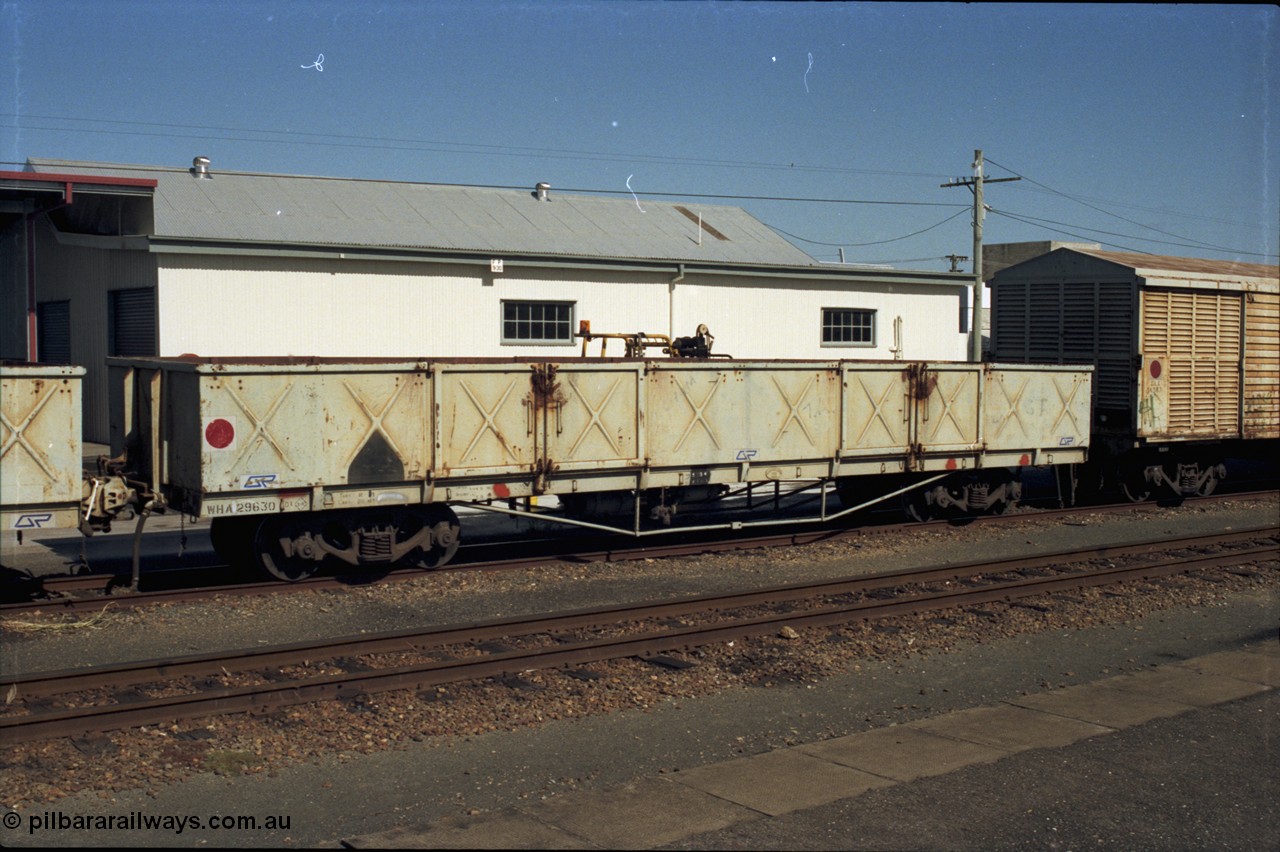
x=1147, y=209
x=906, y=260
x=435, y=145
x=1018, y=218
x=582, y=190
x=1198, y=243
x=876, y=242
x=1028, y=219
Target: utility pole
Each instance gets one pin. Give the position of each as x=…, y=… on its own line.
x=955, y=260
x=979, y=212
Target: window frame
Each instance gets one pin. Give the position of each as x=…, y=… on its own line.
x=571, y=305
x=848, y=344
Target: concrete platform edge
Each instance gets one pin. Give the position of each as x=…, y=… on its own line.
x=729, y=791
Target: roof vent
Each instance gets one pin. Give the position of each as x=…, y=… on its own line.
x=541, y=190
x=200, y=167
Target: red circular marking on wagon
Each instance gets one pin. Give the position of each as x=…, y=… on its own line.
x=1156, y=369
x=951, y=464
x=1025, y=460
x=501, y=490
x=220, y=433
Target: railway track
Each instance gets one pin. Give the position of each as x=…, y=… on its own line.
x=70, y=703
x=89, y=593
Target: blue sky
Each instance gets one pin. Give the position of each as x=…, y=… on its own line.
x=1145, y=127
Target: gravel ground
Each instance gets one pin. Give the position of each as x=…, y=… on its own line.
x=42, y=773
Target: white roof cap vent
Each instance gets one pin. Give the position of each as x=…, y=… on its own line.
x=200, y=167
x=541, y=190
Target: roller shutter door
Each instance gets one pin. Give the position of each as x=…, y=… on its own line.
x=132, y=330
x=53, y=332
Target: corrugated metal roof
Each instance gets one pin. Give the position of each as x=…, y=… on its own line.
x=1152, y=263
x=298, y=210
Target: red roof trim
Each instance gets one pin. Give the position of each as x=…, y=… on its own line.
x=98, y=180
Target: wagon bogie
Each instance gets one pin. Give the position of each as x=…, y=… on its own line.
x=294, y=546
x=1192, y=472
x=989, y=491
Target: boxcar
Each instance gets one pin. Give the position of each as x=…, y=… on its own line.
x=1186, y=351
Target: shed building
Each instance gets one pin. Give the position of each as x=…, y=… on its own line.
x=104, y=259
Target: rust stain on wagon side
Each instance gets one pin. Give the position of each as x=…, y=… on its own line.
x=921, y=380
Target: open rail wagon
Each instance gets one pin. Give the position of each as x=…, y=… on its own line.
x=302, y=460
x=361, y=460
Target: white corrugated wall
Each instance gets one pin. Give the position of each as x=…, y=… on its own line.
x=772, y=318
x=213, y=305
x=223, y=306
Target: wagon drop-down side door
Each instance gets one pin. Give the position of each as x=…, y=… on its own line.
x=586, y=418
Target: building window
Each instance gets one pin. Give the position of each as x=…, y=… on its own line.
x=53, y=332
x=537, y=322
x=848, y=327
x=131, y=318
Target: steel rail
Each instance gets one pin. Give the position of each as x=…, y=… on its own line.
x=620, y=554
x=228, y=700
x=42, y=684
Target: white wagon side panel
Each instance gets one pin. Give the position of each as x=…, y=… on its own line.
x=325, y=435
x=948, y=417
x=594, y=419
x=40, y=445
x=1040, y=413
x=752, y=412
x=877, y=409
x=283, y=430
x=486, y=420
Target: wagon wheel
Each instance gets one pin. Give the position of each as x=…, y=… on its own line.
x=917, y=508
x=1134, y=485
x=277, y=548
x=446, y=532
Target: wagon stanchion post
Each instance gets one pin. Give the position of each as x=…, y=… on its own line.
x=135, y=577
